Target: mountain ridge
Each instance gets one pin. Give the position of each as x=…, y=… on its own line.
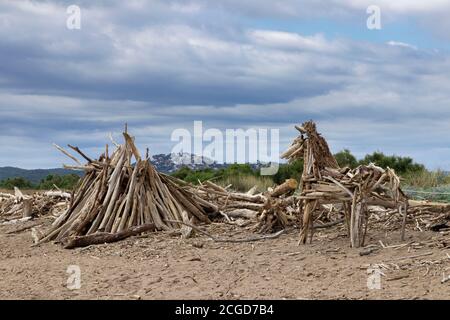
x=166, y=163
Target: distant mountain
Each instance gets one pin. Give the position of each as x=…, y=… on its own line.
x=166, y=163
x=35, y=175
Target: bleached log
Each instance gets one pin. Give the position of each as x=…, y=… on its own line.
x=18, y=194
x=27, y=210
x=252, y=191
x=242, y=213
x=6, y=195
x=58, y=194
x=185, y=230
x=288, y=186
x=215, y=186
x=103, y=237
x=245, y=205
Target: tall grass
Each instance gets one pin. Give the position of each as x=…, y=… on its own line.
x=243, y=183
x=427, y=185
x=426, y=179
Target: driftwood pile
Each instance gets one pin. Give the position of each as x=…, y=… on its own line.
x=230, y=203
x=421, y=216
x=273, y=210
x=280, y=208
x=429, y=215
x=122, y=194
x=323, y=182
x=20, y=207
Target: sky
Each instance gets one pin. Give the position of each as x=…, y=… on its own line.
x=160, y=65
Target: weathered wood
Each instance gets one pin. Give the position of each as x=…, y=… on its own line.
x=103, y=237
x=58, y=194
x=27, y=208
x=288, y=186
x=242, y=213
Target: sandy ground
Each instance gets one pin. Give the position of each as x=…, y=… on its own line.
x=162, y=266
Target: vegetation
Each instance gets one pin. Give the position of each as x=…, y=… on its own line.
x=34, y=176
x=66, y=182
x=345, y=159
x=288, y=171
x=243, y=183
x=18, y=182
x=242, y=176
x=415, y=177
x=426, y=179
x=194, y=177
x=401, y=165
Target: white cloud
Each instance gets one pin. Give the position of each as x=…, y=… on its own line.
x=401, y=44
x=288, y=40
x=399, y=6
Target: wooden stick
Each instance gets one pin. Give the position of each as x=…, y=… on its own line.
x=104, y=237
x=67, y=154
x=76, y=149
x=414, y=256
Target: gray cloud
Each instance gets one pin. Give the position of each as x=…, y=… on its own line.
x=160, y=65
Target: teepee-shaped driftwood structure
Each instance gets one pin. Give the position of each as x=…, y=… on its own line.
x=123, y=194
x=323, y=182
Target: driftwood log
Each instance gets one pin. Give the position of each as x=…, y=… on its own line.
x=104, y=237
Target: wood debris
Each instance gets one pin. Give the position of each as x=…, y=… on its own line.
x=18, y=206
x=421, y=216
x=274, y=210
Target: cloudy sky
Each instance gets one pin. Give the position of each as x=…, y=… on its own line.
x=160, y=65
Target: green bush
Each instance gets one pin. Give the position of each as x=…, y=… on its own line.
x=194, y=177
x=182, y=173
x=240, y=169
x=18, y=182
x=401, y=165
x=287, y=171
x=66, y=182
x=346, y=159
